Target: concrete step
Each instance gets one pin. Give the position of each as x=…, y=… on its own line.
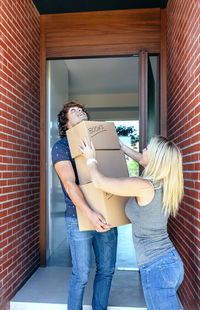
x=47, y=290
x=39, y=306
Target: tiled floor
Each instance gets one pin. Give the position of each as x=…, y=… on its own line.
x=61, y=253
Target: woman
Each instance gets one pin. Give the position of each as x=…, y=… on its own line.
x=154, y=197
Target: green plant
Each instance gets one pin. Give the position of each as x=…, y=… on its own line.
x=133, y=168
x=128, y=132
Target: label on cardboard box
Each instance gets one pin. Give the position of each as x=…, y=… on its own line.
x=102, y=134
x=112, y=207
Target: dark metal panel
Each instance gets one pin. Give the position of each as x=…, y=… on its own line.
x=63, y=6
x=143, y=98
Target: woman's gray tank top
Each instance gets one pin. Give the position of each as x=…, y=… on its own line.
x=149, y=228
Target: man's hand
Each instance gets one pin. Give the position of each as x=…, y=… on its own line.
x=99, y=222
x=65, y=171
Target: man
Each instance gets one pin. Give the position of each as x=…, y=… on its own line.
x=102, y=239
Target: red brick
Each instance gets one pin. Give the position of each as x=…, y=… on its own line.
x=19, y=141
x=183, y=56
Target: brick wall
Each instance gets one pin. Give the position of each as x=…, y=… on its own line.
x=183, y=54
x=19, y=144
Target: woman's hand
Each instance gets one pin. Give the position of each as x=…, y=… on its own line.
x=87, y=149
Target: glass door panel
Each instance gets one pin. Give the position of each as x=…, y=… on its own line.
x=108, y=87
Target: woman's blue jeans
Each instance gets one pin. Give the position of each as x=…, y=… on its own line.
x=81, y=244
x=161, y=279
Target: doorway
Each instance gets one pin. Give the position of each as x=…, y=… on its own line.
x=108, y=87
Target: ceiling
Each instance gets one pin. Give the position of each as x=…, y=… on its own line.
x=103, y=75
x=66, y=6
x=108, y=87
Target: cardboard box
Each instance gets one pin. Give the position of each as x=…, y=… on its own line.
x=102, y=134
x=111, y=163
x=112, y=207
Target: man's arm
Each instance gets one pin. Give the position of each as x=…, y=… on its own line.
x=65, y=172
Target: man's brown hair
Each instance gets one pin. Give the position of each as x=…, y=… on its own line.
x=62, y=116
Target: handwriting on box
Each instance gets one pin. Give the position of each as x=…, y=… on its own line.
x=95, y=130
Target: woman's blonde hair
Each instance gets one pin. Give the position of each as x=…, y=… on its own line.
x=165, y=168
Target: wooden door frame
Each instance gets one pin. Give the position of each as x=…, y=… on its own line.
x=115, y=50
x=42, y=148
x=143, y=98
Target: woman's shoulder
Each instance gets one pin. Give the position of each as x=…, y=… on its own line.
x=145, y=185
x=146, y=182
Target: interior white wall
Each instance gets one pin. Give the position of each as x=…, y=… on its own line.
x=57, y=95
x=117, y=106
x=107, y=100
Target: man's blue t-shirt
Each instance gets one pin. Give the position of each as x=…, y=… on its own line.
x=60, y=152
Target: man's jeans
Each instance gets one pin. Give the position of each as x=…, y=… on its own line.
x=81, y=244
x=161, y=279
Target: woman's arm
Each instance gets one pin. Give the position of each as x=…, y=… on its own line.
x=131, y=153
x=129, y=187
x=118, y=186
